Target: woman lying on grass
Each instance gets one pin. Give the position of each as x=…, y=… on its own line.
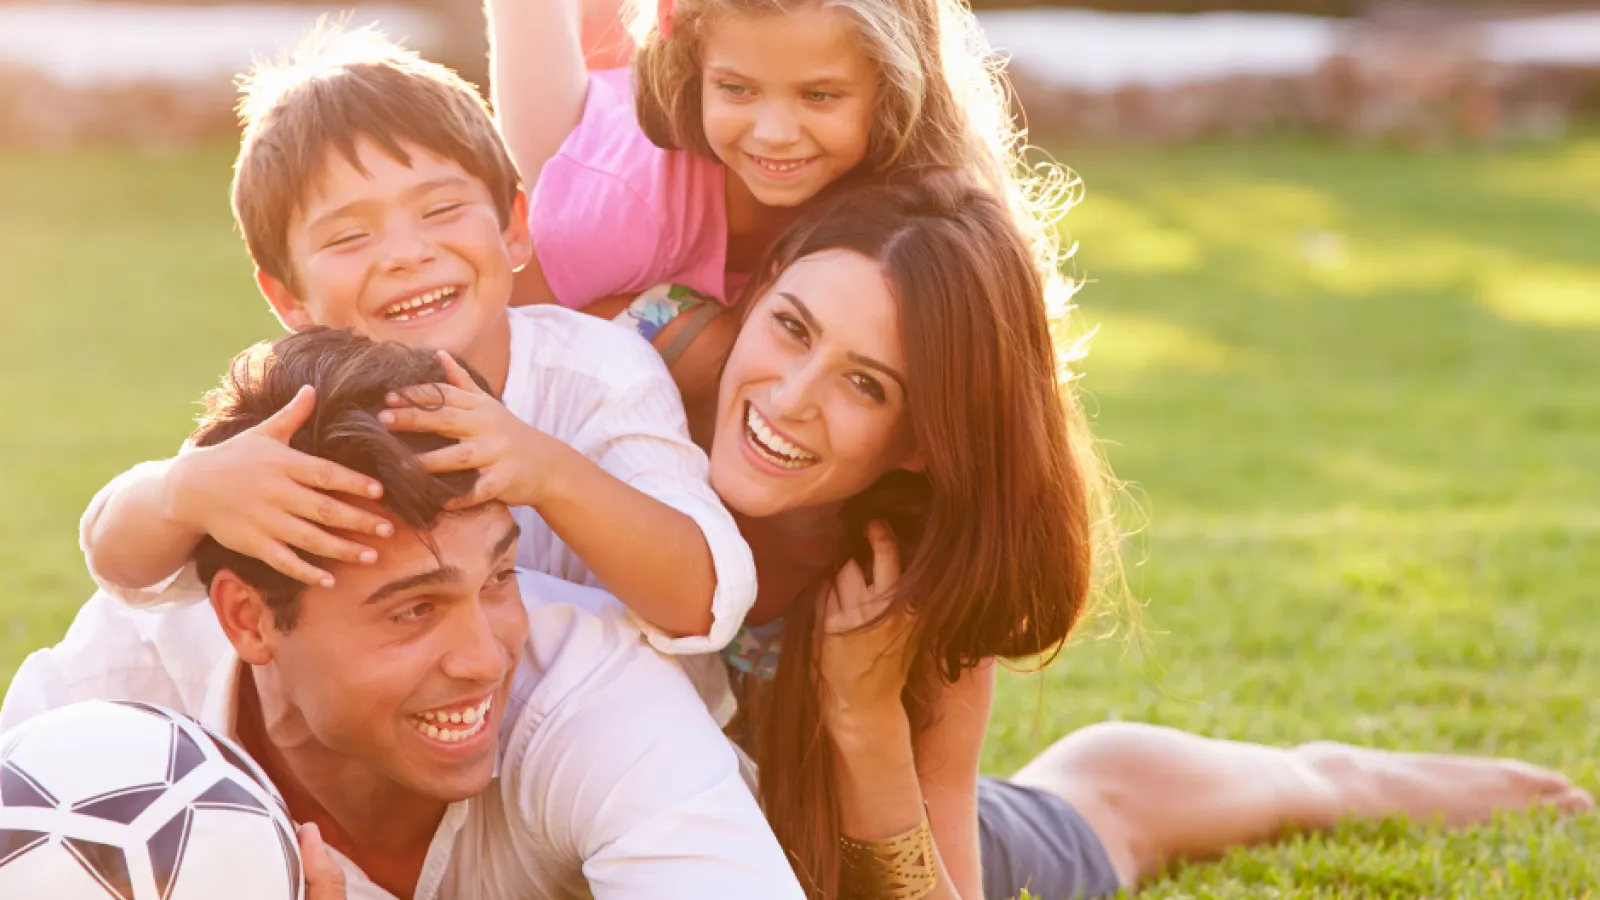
x=890, y=432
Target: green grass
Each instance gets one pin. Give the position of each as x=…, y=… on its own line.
x=1360, y=393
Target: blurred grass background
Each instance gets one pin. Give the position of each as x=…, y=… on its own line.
x=1359, y=392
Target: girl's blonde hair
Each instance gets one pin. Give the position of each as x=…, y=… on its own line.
x=943, y=101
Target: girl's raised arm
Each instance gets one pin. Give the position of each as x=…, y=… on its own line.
x=539, y=80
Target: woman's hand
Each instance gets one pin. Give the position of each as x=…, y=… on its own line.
x=864, y=670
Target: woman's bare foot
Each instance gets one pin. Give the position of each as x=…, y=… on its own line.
x=1458, y=790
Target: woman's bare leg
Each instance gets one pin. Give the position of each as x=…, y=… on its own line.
x=1156, y=795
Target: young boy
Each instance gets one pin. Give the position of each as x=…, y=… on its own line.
x=374, y=194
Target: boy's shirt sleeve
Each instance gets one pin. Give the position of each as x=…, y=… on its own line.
x=641, y=437
x=180, y=588
x=605, y=391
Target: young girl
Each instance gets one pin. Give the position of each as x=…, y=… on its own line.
x=737, y=114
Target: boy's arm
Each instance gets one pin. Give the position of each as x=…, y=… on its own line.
x=634, y=536
x=630, y=496
x=134, y=552
x=639, y=437
x=252, y=492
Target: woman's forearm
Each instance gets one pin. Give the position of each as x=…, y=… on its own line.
x=880, y=795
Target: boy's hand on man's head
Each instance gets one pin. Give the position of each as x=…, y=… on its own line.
x=514, y=460
x=256, y=495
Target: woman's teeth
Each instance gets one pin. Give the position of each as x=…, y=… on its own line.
x=442, y=726
x=771, y=445
x=421, y=306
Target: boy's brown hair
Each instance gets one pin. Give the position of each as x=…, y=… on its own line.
x=337, y=87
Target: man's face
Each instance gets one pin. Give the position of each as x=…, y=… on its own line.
x=411, y=253
x=406, y=665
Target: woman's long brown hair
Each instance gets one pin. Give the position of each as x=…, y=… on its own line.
x=995, y=532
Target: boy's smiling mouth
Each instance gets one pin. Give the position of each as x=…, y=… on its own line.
x=420, y=306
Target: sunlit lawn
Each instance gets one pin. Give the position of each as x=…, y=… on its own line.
x=1360, y=393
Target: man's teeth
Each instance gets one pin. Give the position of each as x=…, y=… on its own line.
x=772, y=445
x=422, y=303
x=443, y=725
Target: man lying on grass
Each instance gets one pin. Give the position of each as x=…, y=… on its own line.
x=454, y=728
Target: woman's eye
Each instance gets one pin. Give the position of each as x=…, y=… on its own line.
x=791, y=326
x=734, y=90
x=869, y=386
x=505, y=577
x=817, y=96
x=416, y=612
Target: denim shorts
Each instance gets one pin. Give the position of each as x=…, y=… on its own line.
x=1032, y=839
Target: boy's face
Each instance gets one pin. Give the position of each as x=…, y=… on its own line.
x=414, y=254
x=407, y=664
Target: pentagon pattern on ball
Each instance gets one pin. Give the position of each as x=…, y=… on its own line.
x=129, y=801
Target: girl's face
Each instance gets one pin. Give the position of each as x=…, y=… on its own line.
x=812, y=406
x=788, y=100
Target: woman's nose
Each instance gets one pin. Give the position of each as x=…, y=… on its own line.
x=792, y=395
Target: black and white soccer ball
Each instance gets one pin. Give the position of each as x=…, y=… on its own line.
x=129, y=801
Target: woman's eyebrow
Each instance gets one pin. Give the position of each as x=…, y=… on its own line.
x=816, y=328
x=871, y=363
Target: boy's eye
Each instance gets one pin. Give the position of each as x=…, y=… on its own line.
x=869, y=386
x=414, y=613
x=441, y=209
x=346, y=238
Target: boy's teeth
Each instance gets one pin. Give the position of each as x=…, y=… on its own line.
x=397, y=311
x=773, y=445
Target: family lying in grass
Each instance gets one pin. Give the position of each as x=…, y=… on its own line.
x=656, y=532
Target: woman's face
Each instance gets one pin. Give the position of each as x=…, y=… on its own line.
x=812, y=405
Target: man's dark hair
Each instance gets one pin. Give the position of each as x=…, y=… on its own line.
x=351, y=376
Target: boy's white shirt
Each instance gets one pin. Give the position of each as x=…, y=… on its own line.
x=611, y=781
x=604, y=391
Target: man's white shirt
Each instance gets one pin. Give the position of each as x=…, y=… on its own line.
x=612, y=780
x=605, y=392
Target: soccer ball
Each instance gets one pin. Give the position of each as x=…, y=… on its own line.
x=127, y=801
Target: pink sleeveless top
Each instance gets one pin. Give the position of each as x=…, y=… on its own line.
x=614, y=214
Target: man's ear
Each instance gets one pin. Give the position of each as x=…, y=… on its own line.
x=285, y=305
x=245, y=618
x=519, y=239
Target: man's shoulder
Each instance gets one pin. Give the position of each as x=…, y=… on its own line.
x=586, y=659
x=576, y=634
x=113, y=652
